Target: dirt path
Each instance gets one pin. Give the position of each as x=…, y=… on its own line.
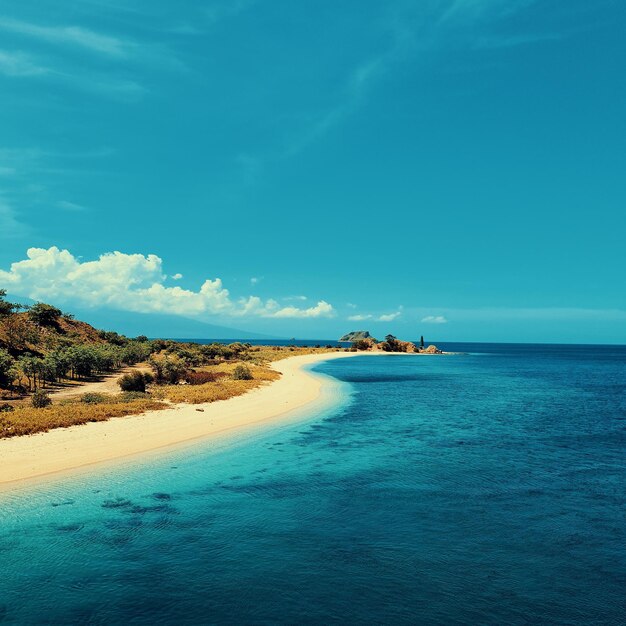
x=108, y=384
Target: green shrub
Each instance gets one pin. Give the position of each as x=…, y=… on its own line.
x=44, y=314
x=94, y=398
x=242, y=372
x=129, y=396
x=40, y=399
x=5, y=407
x=135, y=381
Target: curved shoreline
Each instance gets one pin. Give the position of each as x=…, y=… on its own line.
x=66, y=449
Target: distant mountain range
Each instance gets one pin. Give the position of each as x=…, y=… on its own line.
x=152, y=325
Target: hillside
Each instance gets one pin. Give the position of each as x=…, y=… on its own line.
x=132, y=323
x=357, y=335
x=43, y=347
x=56, y=371
x=19, y=335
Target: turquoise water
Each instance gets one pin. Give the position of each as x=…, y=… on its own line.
x=485, y=488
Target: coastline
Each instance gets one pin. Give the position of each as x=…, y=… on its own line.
x=31, y=457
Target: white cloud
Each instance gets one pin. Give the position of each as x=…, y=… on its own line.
x=133, y=282
x=69, y=206
x=321, y=309
x=389, y=317
x=19, y=64
x=177, y=276
x=79, y=71
x=70, y=35
x=254, y=280
x=296, y=298
x=434, y=319
x=359, y=317
x=385, y=317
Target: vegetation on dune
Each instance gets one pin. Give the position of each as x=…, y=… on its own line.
x=194, y=377
x=223, y=387
x=25, y=420
x=242, y=372
x=43, y=349
x=40, y=399
x=135, y=381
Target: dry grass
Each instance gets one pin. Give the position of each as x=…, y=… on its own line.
x=27, y=420
x=221, y=389
x=269, y=354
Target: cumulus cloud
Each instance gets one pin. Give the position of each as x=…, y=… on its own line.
x=434, y=319
x=389, y=317
x=177, y=276
x=385, y=317
x=321, y=309
x=133, y=282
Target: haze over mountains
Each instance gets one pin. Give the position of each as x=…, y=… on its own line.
x=151, y=324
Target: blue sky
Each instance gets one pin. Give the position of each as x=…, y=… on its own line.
x=452, y=168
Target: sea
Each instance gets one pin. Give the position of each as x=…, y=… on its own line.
x=484, y=487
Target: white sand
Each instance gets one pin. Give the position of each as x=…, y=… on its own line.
x=64, y=449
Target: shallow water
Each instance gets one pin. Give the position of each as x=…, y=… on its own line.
x=481, y=488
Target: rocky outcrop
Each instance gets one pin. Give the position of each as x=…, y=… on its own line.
x=432, y=349
x=362, y=340
x=357, y=335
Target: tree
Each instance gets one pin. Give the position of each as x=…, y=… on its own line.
x=168, y=369
x=6, y=369
x=135, y=352
x=6, y=308
x=391, y=344
x=111, y=336
x=19, y=332
x=29, y=366
x=44, y=314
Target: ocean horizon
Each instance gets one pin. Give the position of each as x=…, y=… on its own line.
x=485, y=487
x=448, y=346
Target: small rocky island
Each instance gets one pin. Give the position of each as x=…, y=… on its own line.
x=357, y=335
x=362, y=340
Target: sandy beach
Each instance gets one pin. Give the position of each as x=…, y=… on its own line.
x=64, y=449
